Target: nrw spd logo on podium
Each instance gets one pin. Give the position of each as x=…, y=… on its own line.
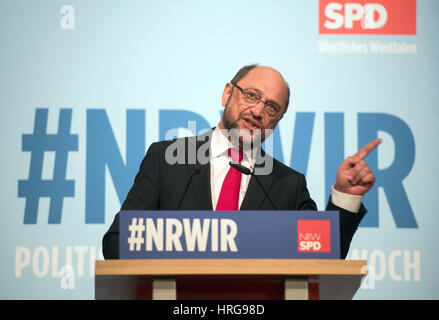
x=313, y=236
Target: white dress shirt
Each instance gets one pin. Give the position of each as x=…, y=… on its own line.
x=219, y=166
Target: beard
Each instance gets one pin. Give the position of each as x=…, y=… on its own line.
x=245, y=138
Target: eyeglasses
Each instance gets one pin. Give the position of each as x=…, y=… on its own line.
x=252, y=98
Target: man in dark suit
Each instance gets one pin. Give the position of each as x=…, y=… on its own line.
x=255, y=100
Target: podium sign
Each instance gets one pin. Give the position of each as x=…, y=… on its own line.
x=229, y=235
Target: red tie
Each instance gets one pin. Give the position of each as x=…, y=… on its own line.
x=229, y=194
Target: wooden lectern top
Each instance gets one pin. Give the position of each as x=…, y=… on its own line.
x=337, y=279
x=179, y=267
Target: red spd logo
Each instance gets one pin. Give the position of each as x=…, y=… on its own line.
x=391, y=17
x=313, y=236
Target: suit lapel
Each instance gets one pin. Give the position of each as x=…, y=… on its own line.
x=201, y=189
x=255, y=197
x=201, y=182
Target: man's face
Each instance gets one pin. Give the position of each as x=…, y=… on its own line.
x=250, y=121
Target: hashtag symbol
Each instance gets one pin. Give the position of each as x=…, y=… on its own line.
x=136, y=235
x=35, y=187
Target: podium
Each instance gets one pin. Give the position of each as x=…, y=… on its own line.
x=245, y=255
x=228, y=279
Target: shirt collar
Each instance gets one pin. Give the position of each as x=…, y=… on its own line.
x=220, y=144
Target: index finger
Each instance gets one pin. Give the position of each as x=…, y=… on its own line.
x=363, y=152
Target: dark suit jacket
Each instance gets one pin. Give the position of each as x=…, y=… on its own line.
x=160, y=186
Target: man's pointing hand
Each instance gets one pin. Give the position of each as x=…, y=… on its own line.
x=354, y=175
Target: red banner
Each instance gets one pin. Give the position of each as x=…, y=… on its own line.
x=380, y=17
